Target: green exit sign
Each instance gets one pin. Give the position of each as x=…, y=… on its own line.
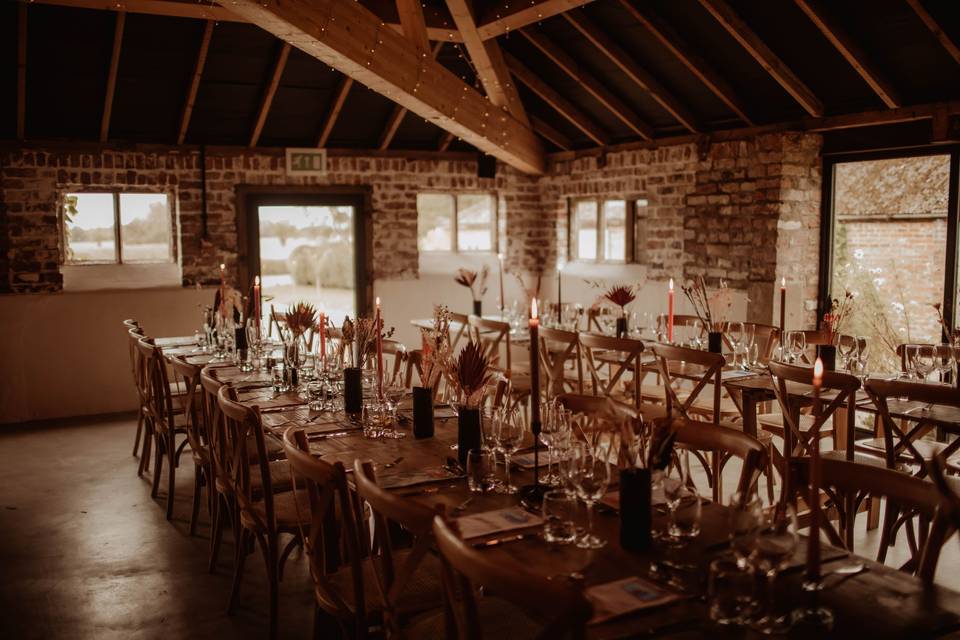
x=306, y=162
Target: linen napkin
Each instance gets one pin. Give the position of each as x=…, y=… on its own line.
x=624, y=596
x=488, y=522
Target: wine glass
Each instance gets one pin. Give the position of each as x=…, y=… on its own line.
x=745, y=518
x=662, y=328
x=796, y=344
x=749, y=342
x=591, y=478
x=679, y=490
x=775, y=545
x=735, y=336
x=509, y=428
x=696, y=333
x=943, y=354
x=847, y=348
x=549, y=434
x=924, y=362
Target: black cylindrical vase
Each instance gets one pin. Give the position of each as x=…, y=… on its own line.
x=621, y=327
x=422, y=412
x=828, y=355
x=352, y=390
x=468, y=433
x=715, y=342
x=635, y=516
x=478, y=307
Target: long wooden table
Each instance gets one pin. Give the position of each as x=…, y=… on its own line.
x=879, y=603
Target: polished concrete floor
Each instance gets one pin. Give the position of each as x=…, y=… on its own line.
x=86, y=553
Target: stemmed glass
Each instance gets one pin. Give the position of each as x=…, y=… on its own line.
x=847, y=348
x=735, y=336
x=923, y=361
x=678, y=490
x=944, y=356
x=796, y=343
x=749, y=340
x=591, y=478
x=745, y=517
x=509, y=429
x=696, y=331
x=775, y=545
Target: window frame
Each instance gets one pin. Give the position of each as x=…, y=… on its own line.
x=630, y=229
x=116, y=192
x=455, y=224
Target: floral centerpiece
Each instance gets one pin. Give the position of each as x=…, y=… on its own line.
x=436, y=347
x=838, y=315
x=477, y=283
x=710, y=308
x=299, y=318
x=469, y=377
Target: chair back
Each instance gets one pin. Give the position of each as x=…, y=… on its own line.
x=326, y=486
x=558, y=347
x=705, y=437
x=593, y=318
x=459, y=325
x=138, y=363
x=902, y=354
x=157, y=385
x=214, y=426
x=559, y=603
x=492, y=335
x=390, y=510
x=596, y=419
x=766, y=337
x=188, y=375
x=936, y=405
x=912, y=500
x=620, y=354
x=703, y=367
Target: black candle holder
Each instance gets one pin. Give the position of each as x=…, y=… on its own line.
x=352, y=390
x=828, y=355
x=636, y=523
x=478, y=307
x=422, y=412
x=531, y=495
x=715, y=342
x=469, y=436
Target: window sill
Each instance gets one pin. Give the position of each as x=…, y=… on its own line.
x=447, y=262
x=96, y=277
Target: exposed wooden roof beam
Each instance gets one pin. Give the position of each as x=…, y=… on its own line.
x=767, y=59
x=354, y=41
x=502, y=20
x=195, y=80
x=935, y=29
x=399, y=113
x=334, y=111
x=21, y=70
x=269, y=94
x=413, y=24
x=550, y=132
x=112, y=75
x=563, y=106
x=850, y=51
x=488, y=61
x=640, y=76
x=613, y=104
x=445, y=140
x=697, y=65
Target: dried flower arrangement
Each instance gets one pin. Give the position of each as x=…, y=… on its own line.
x=436, y=347
x=648, y=448
x=532, y=291
x=951, y=334
x=476, y=282
x=834, y=320
x=233, y=303
x=711, y=308
x=365, y=330
x=621, y=295
x=300, y=318
x=471, y=375
x=347, y=336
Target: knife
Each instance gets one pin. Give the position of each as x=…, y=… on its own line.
x=498, y=541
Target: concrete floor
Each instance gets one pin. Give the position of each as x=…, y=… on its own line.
x=86, y=553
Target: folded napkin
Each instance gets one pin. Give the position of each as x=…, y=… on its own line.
x=488, y=522
x=413, y=478
x=624, y=596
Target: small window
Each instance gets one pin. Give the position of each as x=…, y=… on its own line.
x=602, y=230
x=615, y=231
x=462, y=222
x=586, y=223
x=117, y=228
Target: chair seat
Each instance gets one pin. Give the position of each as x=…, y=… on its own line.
x=762, y=436
x=279, y=478
x=499, y=619
x=859, y=458
x=423, y=592
x=773, y=422
x=651, y=412
x=290, y=508
x=878, y=447
x=653, y=393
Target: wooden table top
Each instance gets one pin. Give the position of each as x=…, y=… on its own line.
x=879, y=603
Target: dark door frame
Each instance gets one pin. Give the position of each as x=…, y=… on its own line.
x=250, y=197
x=827, y=219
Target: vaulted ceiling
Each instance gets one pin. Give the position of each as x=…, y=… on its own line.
x=579, y=74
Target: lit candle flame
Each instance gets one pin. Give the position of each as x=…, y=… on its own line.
x=818, y=373
x=671, y=284
x=500, y=257
x=783, y=282
x=222, y=266
x=256, y=281
x=378, y=302
x=533, y=309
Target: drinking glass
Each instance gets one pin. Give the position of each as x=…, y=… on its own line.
x=847, y=349
x=750, y=350
x=735, y=336
x=745, y=517
x=924, y=362
x=730, y=591
x=315, y=395
x=775, y=545
x=559, y=517
x=696, y=333
x=591, y=478
x=509, y=436
x=277, y=375
x=679, y=491
x=943, y=354
x=481, y=470
x=796, y=342
x=662, y=328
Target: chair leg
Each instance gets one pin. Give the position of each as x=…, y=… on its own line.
x=147, y=446
x=171, y=475
x=216, y=530
x=273, y=577
x=889, y=521
x=197, y=489
x=873, y=513
x=136, y=440
x=157, y=464
x=238, y=569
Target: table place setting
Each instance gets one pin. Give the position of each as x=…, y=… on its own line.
x=479, y=525
x=627, y=595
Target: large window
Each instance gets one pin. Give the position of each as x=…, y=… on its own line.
x=465, y=222
x=603, y=230
x=890, y=246
x=117, y=228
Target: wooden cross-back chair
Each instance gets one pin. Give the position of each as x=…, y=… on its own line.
x=902, y=445
x=557, y=348
x=918, y=505
x=340, y=589
x=408, y=579
x=765, y=336
x=263, y=514
x=902, y=354
x=459, y=327
x=223, y=505
x=560, y=604
x=598, y=418
x=165, y=424
x=593, y=318
x=188, y=375
x=140, y=383
x=948, y=486
x=621, y=356
x=493, y=335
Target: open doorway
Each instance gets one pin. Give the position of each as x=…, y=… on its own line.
x=311, y=247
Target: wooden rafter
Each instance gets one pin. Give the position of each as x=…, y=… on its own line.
x=413, y=24
x=850, y=51
x=488, y=61
x=334, y=112
x=697, y=65
x=112, y=75
x=195, y=80
x=269, y=94
x=21, y=71
x=446, y=140
x=399, y=113
x=550, y=132
x=350, y=38
x=751, y=42
x=931, y=23
x=563, y=106
x=640, y=76
x=613, y=104
x=502, y=19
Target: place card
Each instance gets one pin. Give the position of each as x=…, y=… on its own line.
x=628, y=595
x=412, y=478
x=489, y=522
x=265, y=399
x=657, y=497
